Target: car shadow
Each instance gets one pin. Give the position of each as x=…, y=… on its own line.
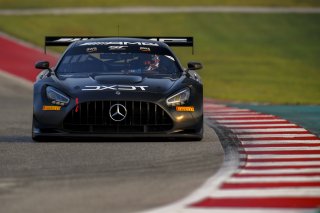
x=28, y=139
x=115, y=140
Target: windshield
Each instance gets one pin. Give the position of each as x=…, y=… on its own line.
x=92, y=60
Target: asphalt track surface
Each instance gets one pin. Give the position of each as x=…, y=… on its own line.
x=91, y=176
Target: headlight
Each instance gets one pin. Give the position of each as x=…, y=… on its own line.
x=179, y=98
x=56, y=97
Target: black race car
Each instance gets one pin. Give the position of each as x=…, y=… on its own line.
x=118, y=87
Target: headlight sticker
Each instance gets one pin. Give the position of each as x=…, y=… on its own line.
x=185, y=108
x=51, y=108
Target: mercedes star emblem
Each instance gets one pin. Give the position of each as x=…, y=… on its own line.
x=118, y=112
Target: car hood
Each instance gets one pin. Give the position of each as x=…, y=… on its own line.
x=114, y=83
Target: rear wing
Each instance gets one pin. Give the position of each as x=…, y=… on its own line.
x=67, y=40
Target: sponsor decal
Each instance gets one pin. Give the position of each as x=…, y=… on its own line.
x=92, y=49
x=115, y=87
x=168, y=40
x=117, y=47
x=70, y=39
x=145, y=49
x=124, y=43
x=185, y=108
x=165, y=40
x=51, y=108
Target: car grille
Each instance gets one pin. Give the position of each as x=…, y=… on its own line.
x=93, y=117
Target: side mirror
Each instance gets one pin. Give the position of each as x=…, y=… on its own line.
x=42, y=65
x=194, y=66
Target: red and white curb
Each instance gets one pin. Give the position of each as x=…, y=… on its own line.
x=18, y=58
x=277, y=168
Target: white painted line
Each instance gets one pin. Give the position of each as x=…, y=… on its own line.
x=250, y=121
x=299, y=148
x=21, y=81
x=269, y=130
x=27, y=44
x=273, y=179
x=257, y=125
x=261, y=142
x=5, y=185
x=274, y=192
x=277, y=156
x=289, y=163
x=274, y=135
x=279, y=171
x=259, y=135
